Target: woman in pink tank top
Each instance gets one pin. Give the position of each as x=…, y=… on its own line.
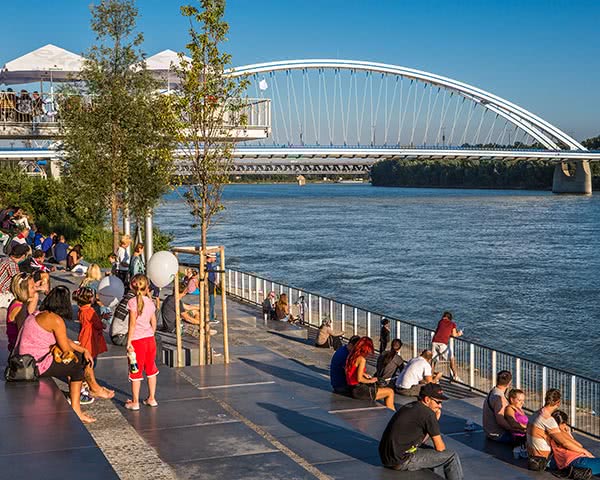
x=517, y=419
x=46, y=328
x=23, y=287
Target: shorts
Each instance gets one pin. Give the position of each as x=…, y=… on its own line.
x=145, y=352
x=441, y=351
x=74, y=370
x=364, y=391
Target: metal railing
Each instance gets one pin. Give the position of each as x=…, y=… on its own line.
x=477, y=364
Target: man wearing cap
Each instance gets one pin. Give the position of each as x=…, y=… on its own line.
x=401, y=446
x=9, y=267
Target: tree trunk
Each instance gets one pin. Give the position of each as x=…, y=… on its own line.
x=204, y=285
x=114, y=219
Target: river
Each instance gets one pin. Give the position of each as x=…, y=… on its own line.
x=520, y=270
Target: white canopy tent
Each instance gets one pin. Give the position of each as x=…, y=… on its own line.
x=48, y=63
x=161, y=65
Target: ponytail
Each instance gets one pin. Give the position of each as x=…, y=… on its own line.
x=139, y=284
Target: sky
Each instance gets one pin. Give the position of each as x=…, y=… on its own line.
x=541, y=54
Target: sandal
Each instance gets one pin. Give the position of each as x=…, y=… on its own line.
x=150, y=404
x=103, y=393
x=129, y=405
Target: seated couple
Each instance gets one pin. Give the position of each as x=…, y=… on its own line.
x=349, y=376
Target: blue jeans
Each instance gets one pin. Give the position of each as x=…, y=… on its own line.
x=446, y=464
x=586, y=462
x=211, y=306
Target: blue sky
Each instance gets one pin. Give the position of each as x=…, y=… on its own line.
x=542, y=55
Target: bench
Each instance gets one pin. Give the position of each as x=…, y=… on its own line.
x=166, y=349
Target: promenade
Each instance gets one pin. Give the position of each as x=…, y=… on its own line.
x=270, y=414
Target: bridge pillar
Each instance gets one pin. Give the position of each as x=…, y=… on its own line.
x=579, y=182
x=54, y=167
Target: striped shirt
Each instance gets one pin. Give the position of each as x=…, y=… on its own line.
x=8, y=269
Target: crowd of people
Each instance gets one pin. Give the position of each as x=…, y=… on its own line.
x=23, y=107
x=412, y=440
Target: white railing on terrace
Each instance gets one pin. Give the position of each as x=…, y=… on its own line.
x=24, y=108
x=477, y=365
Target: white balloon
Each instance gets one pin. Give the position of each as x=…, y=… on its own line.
x=110, y=291
x=162, y=268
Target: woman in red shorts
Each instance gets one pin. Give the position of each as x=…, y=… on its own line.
x=140, y=339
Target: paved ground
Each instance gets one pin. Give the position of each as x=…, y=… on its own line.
x=270, y=414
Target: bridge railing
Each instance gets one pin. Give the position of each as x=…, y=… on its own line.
x=24, y=108
x=477, y=364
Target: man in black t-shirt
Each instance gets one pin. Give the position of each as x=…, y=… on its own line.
x=401, y=446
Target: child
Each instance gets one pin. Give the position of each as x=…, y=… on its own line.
x=90, y=335
x=114, y=263
x=384, y=335
x=517, y=419
x=140, y=339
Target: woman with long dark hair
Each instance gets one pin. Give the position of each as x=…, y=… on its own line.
x=362, y=385
x=47, y=328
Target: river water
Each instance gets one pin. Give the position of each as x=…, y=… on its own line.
x=520, y=270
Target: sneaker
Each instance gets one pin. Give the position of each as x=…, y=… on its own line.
x=213, y=332
x=457, y=379
x=517, y=453
x=216, y=354
x=523, y=452
x=214, y=322
x=86, y=399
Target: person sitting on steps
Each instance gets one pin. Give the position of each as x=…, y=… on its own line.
x=390, y=363
x=415, y=374
x=337, y=367
x=327, y=337
x=494, y=424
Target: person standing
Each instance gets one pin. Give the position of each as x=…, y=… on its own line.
x=401, y=446
x=123, y=258
x=384, y=335
x=211, y=268
x=141, y=341
x=136, y=266
x=440, y=347
x=494, y=424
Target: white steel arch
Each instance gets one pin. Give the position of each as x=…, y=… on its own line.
x=544, y=132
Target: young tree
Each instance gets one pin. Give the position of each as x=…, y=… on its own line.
x=117, y=132
x=210, y=103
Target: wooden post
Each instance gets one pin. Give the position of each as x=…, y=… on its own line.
x=201, y=353
x=178, y=318
x=224, y=307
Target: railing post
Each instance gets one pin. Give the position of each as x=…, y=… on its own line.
x=354, y=321
x=518, y=372
x=343, y=317
x=494, y=367
x=243, y=295
x=544, y=382
x=398, y=329
x=264, y=288
x=414, y=341
x=471, y=365
x=573, y=401
x=236, y=283
x=256, y=283
x=331, y=312
x=310, y=308
x=368, y=324
x=281, y=289
x=320, y=312
x=290, y=296
x=229, y=281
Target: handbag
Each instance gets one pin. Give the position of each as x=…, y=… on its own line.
x=22, y=368
x=537, y=464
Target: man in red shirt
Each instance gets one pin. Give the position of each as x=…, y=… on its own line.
x=441, y=350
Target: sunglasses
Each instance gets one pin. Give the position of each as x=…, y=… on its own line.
x=438, y=402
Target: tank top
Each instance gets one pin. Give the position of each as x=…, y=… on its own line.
x=12, y=329
x=36, y=342
x=352, y=374
x=522, y=419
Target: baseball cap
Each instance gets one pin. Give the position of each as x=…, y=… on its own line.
x=432, y=390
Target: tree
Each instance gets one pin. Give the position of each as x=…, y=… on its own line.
x=117, y=133
x=209, y=103
x=592, y=143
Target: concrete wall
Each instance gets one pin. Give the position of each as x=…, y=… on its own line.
x=580, y=182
